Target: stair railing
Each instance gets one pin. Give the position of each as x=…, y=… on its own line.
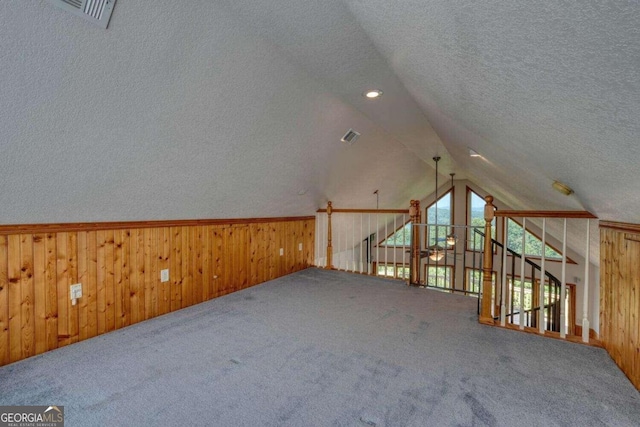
x=550, y=302
x=556, y=315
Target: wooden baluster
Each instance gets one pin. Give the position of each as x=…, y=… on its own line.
x=329, y=247
x=522, y=265
x=542, y=278
x=503, y=281
x=487, y=264
x=414, y=215
x=585, y=298
x=563, y=288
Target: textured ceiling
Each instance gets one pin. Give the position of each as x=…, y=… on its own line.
x=231, y=108
x=180, y=112
x=543, y=90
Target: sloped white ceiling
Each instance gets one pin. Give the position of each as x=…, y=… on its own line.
x=544, y=90
x=177, y=112
x=231, y=108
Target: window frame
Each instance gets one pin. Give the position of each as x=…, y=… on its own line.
x=571, y=305
x=468, y=235
x=382, y=245
x=450, y=276
x=537, y=257
x=467, y=270
x=450, y=191
x=396, y=268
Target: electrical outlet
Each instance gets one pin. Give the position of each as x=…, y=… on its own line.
x=164, y=275
x=76, y=291
x=300, y=247
x=281, y=251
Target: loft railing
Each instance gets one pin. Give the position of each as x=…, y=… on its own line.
x=516, y=295
x=555, y=310
x=355, y=241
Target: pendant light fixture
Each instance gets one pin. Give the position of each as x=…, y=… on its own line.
x=451, y=238
x=436, y=253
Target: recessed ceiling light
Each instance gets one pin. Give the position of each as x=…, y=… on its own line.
x=373, y=94
x=302, y=192
x=473, y=153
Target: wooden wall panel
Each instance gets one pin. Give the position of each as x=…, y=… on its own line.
x=40, y=290
x=119, y=269
x=27, y=290
x=51, y=296
x=620, y=298
x=13, y=276
x=4, y=302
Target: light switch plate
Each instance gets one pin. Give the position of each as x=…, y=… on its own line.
x=164, y=275
x=76, y=291
x=281, y=251
x=300, y=247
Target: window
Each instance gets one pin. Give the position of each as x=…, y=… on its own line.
x=386, y=270
x=475, y=217
x=399, y=271
x=438, y=276
x=533, y=244
x=444, y=205
x=473, y=282
x=531, y=305
x=401, y=237
x=516, y=288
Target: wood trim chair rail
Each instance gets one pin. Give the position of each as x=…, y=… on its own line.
x=90, y=226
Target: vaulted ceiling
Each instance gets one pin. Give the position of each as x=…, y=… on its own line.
x=218, y=109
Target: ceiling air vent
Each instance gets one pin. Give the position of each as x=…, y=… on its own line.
x=96, y=11
x=350, y=137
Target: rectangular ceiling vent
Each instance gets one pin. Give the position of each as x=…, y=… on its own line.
x=350, y=137
x=95, y=11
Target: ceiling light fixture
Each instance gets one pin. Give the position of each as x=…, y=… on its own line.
x=473, y=153
x=372, y=94
x=436, y=252
x=562, y=188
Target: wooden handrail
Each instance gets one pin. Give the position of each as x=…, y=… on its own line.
x=546, y=214
x=390, y=211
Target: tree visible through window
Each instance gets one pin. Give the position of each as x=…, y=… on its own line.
x=475, y=217
x=474, y=280
x=401, y=237
x=533, y=245
x=400, y=271
x=445, y=217
x=438, y=276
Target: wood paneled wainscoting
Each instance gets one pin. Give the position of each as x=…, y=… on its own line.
x=119, y=264
x=620, y=295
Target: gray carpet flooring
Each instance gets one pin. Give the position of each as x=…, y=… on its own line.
x=325, y=348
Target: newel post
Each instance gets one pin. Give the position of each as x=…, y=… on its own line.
x=329, y=247
x=487, y=263
x=414, y=215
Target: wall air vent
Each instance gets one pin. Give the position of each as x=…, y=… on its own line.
x=96, y=11
x=350, y=137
